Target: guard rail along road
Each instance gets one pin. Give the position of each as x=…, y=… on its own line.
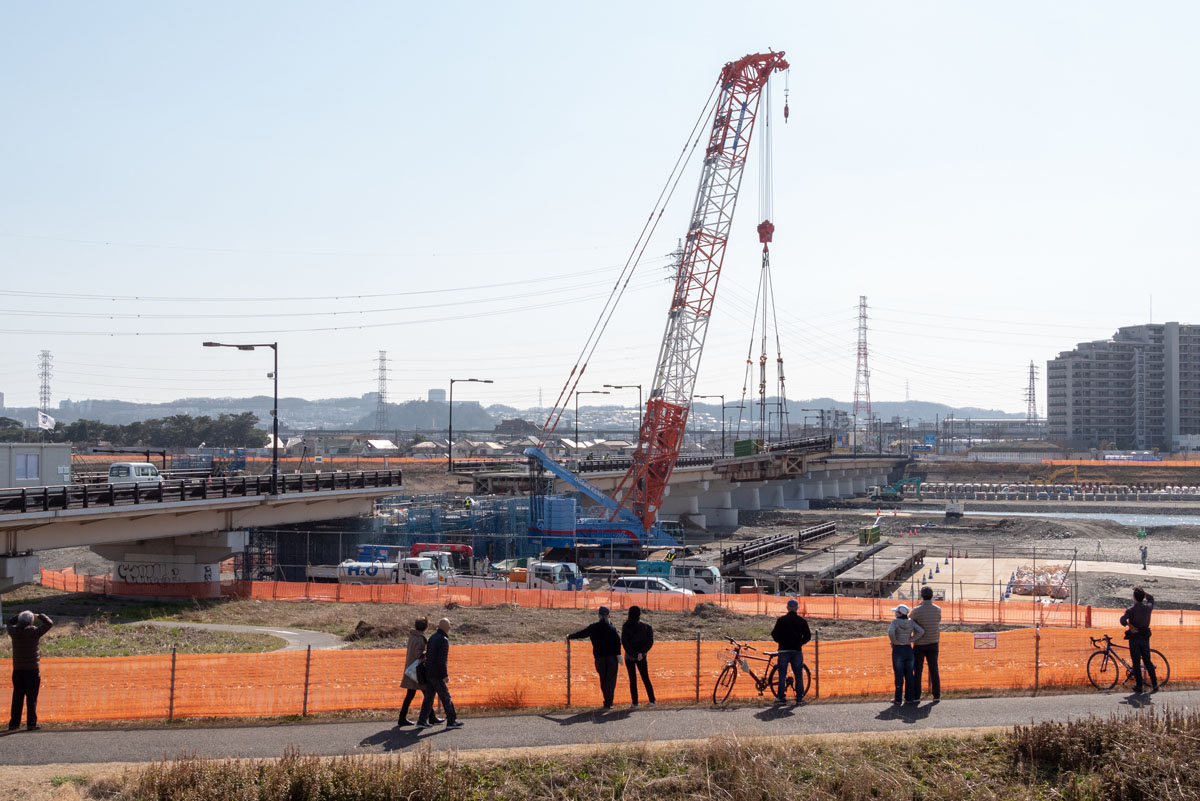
x=87, y=496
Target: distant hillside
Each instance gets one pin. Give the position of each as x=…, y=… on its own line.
x=298, y=414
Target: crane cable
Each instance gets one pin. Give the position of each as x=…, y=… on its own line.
x=631, y=264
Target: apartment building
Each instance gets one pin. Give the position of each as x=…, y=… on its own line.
x=1138, y=390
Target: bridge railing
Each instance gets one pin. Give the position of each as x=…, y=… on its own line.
x=87, y=496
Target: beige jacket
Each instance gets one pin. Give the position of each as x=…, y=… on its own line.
x=416, y=650
x=928, y=617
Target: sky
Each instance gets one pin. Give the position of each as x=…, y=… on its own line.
x=460, y=185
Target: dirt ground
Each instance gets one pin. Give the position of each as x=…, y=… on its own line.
x=1021, y=539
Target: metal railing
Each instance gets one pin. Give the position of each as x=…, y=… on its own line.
x=86, y=496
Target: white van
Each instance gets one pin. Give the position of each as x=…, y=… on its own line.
x=133, y=473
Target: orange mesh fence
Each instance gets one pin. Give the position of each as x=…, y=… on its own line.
x=831, y=607
x=522, y=675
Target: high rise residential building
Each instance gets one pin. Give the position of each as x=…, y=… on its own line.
x=1138, y=390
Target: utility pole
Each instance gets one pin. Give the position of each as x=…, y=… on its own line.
x=1031, y=397
x=45, y=373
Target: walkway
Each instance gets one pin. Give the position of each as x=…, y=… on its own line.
x=581, y=727
x=296, y=639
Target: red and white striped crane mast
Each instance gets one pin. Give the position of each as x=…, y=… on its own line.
x=661, y=436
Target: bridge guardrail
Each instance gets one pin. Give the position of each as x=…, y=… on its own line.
x=86, y=496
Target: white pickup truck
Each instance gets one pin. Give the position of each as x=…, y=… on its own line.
x=537, y=576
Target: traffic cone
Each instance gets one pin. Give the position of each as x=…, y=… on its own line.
x=939, y=568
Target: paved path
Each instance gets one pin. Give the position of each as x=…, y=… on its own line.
x=297, y=639
x=564, y=728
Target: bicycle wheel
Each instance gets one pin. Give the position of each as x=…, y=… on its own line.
x=724, y=685
x=807, y=681
x=773, y=682
x=1162, y=668
x=1103, y=670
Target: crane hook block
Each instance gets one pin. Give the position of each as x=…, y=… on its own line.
x=766, y=230
x=785, y=112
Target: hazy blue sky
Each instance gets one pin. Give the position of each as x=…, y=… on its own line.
x=460, y=183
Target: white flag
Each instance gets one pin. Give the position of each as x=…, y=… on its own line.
x=45, y=421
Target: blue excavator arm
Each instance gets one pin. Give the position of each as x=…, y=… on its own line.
x=580, y=485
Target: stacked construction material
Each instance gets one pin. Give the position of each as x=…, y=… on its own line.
x=1043, y=580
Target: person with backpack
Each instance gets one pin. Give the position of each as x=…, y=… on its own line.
x=637, y=638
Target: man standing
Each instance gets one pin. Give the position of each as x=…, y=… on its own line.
x=925, y=647
x=26, y=678
x=791, y=633
x=437, y=659
x=606, y=650
x=1144, y=552
x=1137, y=629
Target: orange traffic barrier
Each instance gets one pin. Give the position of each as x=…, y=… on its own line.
x=550, y=674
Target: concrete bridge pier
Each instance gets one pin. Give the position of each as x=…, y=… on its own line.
x=770, y=495
x=17, y=570
x=718, y=508
x=193, y=559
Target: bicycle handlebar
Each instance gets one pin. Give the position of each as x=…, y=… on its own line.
x=1096, y=640
x=742, y=645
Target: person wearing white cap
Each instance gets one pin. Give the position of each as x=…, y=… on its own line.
x=902, y=632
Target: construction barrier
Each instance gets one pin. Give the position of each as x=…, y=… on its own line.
x=548, y=674
x=828, y=607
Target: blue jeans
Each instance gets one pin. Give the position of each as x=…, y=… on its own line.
x=796, y=660
x=902, y=667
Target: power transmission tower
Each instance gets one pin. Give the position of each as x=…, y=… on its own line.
x=381, y=413
x=45, y=373
x=1031, y=415
x=862, y=376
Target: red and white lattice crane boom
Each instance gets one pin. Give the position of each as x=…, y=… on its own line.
x=661, y=436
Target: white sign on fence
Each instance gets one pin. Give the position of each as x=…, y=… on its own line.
x=986, y=641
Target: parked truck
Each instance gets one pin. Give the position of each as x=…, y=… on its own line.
x=692, y=574
x=411, y=570
x=536, y=576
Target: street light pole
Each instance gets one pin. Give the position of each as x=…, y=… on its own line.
x=579, y=392
x=722, y=397
x=638, y=387
x=450, y=423
x=274, y=346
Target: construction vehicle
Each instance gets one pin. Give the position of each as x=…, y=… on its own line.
x=894, y=492
x=631, y=514
x=1062, y=471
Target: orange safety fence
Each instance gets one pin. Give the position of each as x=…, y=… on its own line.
x=831, y=607
x=549, y=674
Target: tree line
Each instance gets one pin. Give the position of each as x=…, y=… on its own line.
x=176, y=431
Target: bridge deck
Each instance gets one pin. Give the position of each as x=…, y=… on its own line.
x=880, y=570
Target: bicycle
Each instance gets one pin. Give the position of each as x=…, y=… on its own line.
x=735, y=659
x=1103, y=672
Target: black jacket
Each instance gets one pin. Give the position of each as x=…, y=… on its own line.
x=637, y=638
x=1138, y=616
x=791, y=632
x=604, y=637
x=437, y=656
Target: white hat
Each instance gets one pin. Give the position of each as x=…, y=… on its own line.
x=902, y=608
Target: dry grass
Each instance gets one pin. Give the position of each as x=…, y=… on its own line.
x=1142, y=756
x=98, y=637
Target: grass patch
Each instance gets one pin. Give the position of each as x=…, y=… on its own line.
x=1140, y=756
x=100, y=638
x=59, y=781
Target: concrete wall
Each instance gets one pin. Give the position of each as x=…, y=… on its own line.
x=16, y=457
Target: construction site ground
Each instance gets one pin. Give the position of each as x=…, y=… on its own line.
x=1106, y=554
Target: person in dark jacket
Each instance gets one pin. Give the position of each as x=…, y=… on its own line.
x=606, y=650
x=1137, y=628
x=437, y=659
x=637, y=638
x=791, y=633
x=415, y=653
x=26, y=631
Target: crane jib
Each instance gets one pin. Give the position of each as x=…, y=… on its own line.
x=737, y=132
